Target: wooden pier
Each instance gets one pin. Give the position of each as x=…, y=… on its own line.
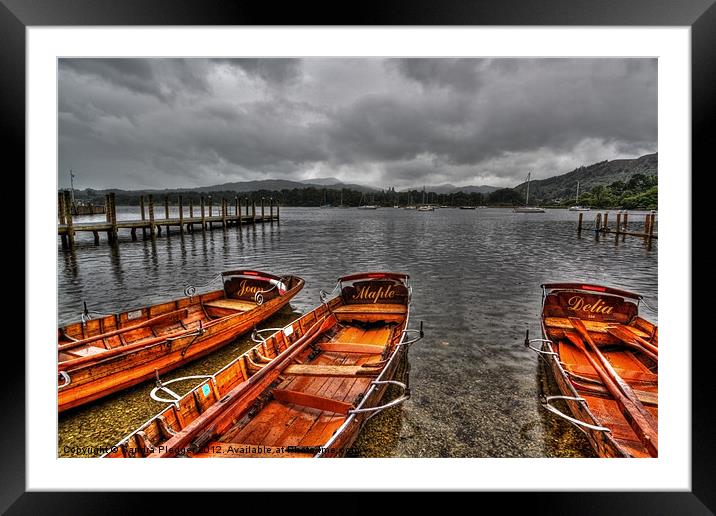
x=202, y=218
x=621, y=227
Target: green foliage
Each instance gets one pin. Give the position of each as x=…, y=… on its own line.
x=646, y=200
x=638, y=192
x=506, y=197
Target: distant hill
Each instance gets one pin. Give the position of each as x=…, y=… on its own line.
x=324, y=181
x=279, y=184
x=564, y=186
x=447, y=188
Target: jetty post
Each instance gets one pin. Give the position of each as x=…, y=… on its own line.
x=113, y=218
x=166, y=212
x=181, y=216
x=190, y=226
x=271, y=209
x=211, y=202
x=605, y=227
x=277, y=218
x=253, y=212
x=141, y=206
x=619, y=223
x=263, y=213
x=247, y=207
x=238, y=210
x=61, y=216
x=152, y=227
x=203, y=217
x=68, y=219
x=652, y=220
x=224, y=206
x=598, y=223
x=579, y=222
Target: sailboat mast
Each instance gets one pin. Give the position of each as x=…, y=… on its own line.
x=577, y=201
x=527, y=198
x=72, y=187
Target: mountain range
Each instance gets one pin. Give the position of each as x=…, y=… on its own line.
x=554, y=188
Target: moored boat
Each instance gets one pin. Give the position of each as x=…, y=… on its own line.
x=527, y=208
x=97, y=357
x=604, y=358
x=305, y=391
x=577, y=206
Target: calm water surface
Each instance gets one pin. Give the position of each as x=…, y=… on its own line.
x=476, y=276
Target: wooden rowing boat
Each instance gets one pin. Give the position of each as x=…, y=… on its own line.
x=604, y=358
x=97, y=357
x=305, y=391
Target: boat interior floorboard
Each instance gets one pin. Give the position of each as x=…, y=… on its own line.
x=280, y=423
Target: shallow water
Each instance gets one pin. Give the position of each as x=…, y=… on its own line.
x=476, y=278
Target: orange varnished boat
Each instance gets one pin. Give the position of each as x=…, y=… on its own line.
x=604, y=358
x=97, y=357
x=305, y=391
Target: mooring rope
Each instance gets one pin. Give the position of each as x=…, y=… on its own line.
x=649, y=306
x=190, y=288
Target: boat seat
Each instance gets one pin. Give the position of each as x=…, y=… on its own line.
x=339, y=371
x=634, y=376
x=371, y=308
x=83, y=352
x=312, y=401
x=231, y=304
x=595, y=326
x=368, y=312
x=352, y=347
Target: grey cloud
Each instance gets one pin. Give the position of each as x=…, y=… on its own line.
x=131, y=123
x=274, y=70
x=161, y=78
x=460, y=74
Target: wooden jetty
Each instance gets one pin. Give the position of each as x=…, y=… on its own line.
x=621, y=228
x=202, y=217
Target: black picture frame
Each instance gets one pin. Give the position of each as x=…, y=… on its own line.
x=700, y=15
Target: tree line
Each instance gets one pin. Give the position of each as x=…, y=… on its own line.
x=639, y=192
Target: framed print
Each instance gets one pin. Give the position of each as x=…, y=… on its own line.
x=429, y=248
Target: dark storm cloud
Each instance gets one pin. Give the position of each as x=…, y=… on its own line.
x=134, y=123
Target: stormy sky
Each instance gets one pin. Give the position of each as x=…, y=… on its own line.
x=170, y=123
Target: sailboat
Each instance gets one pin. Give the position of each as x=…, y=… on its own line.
x=410, y=205
x=577, y=207
x=426, y=207
x=341, y=205
x=326, y=204
x=366, y=206
x=527, y=208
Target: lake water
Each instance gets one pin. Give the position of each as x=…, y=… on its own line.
x=476, y=278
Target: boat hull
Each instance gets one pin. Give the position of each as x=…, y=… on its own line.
x=93, y=380
x=587, y=397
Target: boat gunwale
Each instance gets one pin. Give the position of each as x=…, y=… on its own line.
x=589, y=287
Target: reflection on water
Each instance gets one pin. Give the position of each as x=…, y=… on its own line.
x=476, y=277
